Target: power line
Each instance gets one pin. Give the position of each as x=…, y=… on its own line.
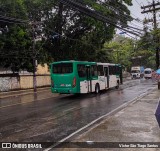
x=152, y=8
x=120, y=13
x=19, y=21
x=76, y=40
x=11, y=18
x=10, y=22
x=129, y=35
x=137, y=19
x=94, y=14
x=5, y=19
x=138, y=3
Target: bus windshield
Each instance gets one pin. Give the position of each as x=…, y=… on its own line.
x=135, y=71
x=62, y=68
x=147, y=72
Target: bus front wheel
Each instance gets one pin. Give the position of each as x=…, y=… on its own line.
x=97, y=89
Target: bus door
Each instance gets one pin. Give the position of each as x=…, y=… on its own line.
x=106, y=74
x=89, y=78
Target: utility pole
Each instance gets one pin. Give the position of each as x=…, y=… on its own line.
x=152, y=8
x=34, y=60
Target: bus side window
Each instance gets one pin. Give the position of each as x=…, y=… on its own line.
x=100, y=70
x=110, y=70
x=94, y=70
x=114, y=70
x=106, y=71
x=81, y=70
x=63, y=70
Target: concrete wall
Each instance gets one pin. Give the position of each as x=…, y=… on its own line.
x=24, y=79
x=27, y=81
x=12, y=82
x=9, y=83
x=43, y=69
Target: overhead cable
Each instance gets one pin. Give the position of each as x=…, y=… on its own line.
x=94, y=14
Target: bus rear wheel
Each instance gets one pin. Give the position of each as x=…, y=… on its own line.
x=117, y=87
x=97, y=89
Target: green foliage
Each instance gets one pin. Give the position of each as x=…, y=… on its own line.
x=13, y=8
x=15, y=52
x=80, y=31
x=15, y=39
x=120, y=51
x=146, y=47
x=129, y=52
x=79, y=37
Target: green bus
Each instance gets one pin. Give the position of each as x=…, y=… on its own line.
x=72, y=77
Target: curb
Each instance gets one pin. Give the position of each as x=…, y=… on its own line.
x=21, y=92
x=100, y=120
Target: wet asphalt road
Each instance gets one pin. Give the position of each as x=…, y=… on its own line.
x=24, y=119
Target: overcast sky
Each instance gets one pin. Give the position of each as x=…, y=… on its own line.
x=136, y=8
x=136, y=13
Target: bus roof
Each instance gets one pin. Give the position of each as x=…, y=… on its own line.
x=148, y=69
x=86, y=62
x=74, y=61
x=107, y=64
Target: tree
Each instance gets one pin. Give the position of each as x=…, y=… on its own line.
x=146, y=47
x=80, y=32
x=66, y=33
x=120, y=51
x=15, y=40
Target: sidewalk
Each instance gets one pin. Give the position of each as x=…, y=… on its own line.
x=22, y=92
x=30, y=91
x=134, y=123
